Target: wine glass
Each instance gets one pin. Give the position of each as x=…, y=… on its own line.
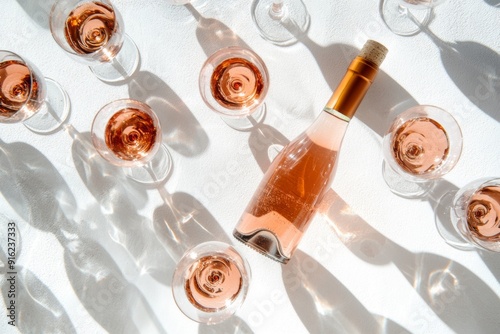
x=422, y=144
x=472, y=219
x=92, y=32
x=26, y=96
x=210, y=282
x=404, y=17
x=127, y=133
x=234, y=82
x=280, y=21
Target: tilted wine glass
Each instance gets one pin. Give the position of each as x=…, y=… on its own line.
x=422, y=144
x=26, y=96
x=472, y=219
x=210, y=282
x=404, y=17
x=234, y=82
x=92, y=32
x=280, y=21
x=127, y=133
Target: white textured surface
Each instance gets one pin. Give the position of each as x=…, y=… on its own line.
x=95, y=253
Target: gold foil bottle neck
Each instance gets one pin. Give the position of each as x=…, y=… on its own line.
x=373, y=52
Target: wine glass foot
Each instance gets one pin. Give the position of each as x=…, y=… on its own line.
x=403, y=187
x=248, y=122
x=155, y=171
x=402, y=20
x=444, y=223
x=281, y=28
x=121, y=67
x=54, y=111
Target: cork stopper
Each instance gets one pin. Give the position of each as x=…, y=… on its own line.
x=374, y=52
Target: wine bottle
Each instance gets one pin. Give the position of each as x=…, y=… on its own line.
x=286, y=200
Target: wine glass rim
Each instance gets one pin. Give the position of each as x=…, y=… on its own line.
x=188, y=259
x=456, y=141
x=63, y=42
x=30, y=67
x=257, y=61
x=114, y=107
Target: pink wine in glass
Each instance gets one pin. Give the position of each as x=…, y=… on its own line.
x=130, y=134
x=483, y=214
x=18, y=85
x=89, y=27
x=236, y=83
x=213, y=283
x=420, y=145
x=292, y=188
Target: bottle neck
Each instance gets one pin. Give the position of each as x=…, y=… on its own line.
x=352, y=89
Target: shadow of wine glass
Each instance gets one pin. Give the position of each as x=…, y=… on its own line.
x=103, y=290
x=214, y=35
x=494, y=3
x=119, y=200
x=233, y=325
x=39, y=11
x=183, y=222
x=265, y=143
x=43, y=199
x=181, y=131
x=35, y=189
x=37, y=307
x=324, y=304
x=475, y=70
x=448, y=288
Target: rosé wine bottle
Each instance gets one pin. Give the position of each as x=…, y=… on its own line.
x=286, y=199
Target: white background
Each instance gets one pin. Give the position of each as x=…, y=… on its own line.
x=97, y=251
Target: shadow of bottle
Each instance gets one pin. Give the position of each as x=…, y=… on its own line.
x=324, y=304
x=449, y=289
x=119, y=201
x=181, y=131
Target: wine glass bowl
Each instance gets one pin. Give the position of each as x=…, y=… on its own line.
x=474, y=216
x=127, y=133
x=421, y=145
x=92, y=32
x=234, y=82
x=26, y=96
x=405, y=17
x=280, y=21
x=210, y=282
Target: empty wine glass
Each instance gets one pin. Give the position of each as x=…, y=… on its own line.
x=26, y=96
x=472, y=219
x=92, y=32
x=127, y=133
x=210, y=282
x=234, y=83
x=422, y=144
x=280, y=21
x=404, y=17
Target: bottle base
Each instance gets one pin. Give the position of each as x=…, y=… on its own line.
x=265, y=243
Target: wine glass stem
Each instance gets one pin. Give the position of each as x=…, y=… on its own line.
x=403, y=11
x=277, y=10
